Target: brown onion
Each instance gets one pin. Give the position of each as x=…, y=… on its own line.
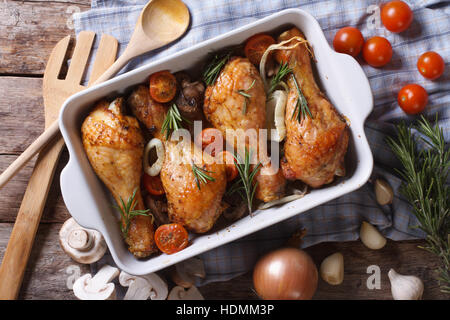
x=285, y=274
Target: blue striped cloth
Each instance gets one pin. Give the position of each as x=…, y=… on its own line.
x=340, y=219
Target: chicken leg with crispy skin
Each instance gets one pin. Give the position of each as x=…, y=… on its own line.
x=315, y=147
x=226, y=108
x=195, y=208
x=114, y=145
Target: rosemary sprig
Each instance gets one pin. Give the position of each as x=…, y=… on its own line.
x=213, y=68
x=246, y=95
x=201, y=175
x=301, y=107
x=244, y=185
x=425, y=174
x=282, y=72
x=127, y=213
x=173, y=121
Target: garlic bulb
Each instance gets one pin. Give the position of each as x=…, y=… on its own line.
x=383, y=192
x=405, y=287
x=371, y=237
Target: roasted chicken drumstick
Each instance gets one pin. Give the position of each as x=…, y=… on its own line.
x=114, y=146
x=195, y=204
x=315, y=147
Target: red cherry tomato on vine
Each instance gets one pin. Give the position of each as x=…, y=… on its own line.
x=396, y=16
x=377, y=51
x=171, y=238
x=348, y=40
x=431, y=65
x=412, y=98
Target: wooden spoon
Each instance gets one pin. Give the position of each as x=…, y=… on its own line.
x=160, y=22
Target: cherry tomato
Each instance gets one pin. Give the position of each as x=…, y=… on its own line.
x=153, y=184
x=431, y=65
x=256, y=46
x=210, y=140
x=171, y=238
x=396, y=16
x=231, y=169
x=348, y=40
x=412, y=98
x=377, y=51
x=163, y=86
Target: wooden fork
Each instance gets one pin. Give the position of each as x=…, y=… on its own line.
x=55, y=92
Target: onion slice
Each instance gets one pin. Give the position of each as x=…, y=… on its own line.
x=275, y=115
x=155, y=168
x=286, y=199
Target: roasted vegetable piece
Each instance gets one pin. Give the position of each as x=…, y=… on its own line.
x=163, y=86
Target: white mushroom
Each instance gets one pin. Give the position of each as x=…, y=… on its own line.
x=74, y=273
x=179, y=293
x=98, y=287
x=143, y=287
x=82, y=245
x=186, y=271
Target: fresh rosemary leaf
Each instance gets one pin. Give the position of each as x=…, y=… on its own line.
x=246, y=95
x=425, y=186
x=201, y=175
x=127, y=213
x=244, y=186
x=213, y=68
x=301, y=107
x=282, y=72
x=173, y=121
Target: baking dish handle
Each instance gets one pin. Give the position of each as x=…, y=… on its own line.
x=351, y=72
x=77, y=197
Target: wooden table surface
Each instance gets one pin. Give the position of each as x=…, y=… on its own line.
x=28, y=31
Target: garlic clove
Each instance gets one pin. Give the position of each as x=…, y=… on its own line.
x=371, y=237
x=332, y=269
x=405, y=287
x=383, y=192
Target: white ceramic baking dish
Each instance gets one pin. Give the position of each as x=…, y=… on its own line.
x=339, y=75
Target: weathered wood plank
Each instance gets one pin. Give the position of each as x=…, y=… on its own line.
x=29, y=30
x=405, y=257
x=46, y=276
x=22, y=121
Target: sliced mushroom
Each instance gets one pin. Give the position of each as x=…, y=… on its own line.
x=82, y=245
x=158, y=208
x=179, y=293
x=98, y=287
x=191, y=96
x=185, y=272
x=143, y=287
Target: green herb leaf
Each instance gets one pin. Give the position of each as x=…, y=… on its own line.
x=425, y=186
x=172, y=121
x=301, y=107
x=244, y=186
x=246, y=95
x=127, y=213
x=213, y=68
x=201, y=175
x=282, y=72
